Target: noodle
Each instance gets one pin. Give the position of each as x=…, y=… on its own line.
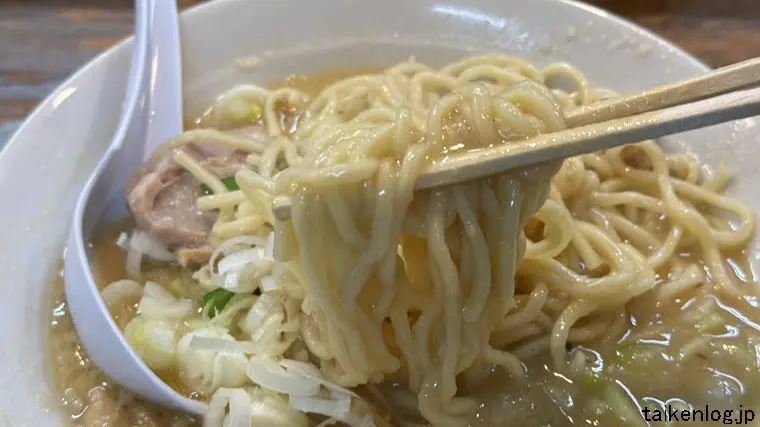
x=380, y=281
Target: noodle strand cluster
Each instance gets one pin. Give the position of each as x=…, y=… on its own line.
x=434, y=289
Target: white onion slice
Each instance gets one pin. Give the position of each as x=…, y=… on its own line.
x=270, y=374
x=272, y=410
x=144, y=242
x=239, y=402
x=232, y=245
x=244, y=280
x=123, y=241
x=237, y=260
x=241, y=271
x=333, y=408
x=269, y=247
x=154, y=309
x=206, y=368
x=156, y=291
x=157, y=303
x=274, y=281
x=231, y=280
x=222, y=345
x=133, y=264
x=268, y=337
x=260, y=309
x=310, y=371
x=269, y=284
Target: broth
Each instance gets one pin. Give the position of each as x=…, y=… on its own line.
x=645, y=363
x=310, y=84
x=88, y=397
x=665, y=357
x=701, y=349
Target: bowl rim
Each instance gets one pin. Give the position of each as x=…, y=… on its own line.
x=126, y=42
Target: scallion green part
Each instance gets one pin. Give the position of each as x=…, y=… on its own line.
x=216, y=300
x=230, y=183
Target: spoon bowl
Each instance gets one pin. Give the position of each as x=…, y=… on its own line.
x=151, y=113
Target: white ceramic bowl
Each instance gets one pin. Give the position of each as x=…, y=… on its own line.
x=45, y=164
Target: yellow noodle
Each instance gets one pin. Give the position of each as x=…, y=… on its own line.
x=391, y=281
x=219, y=201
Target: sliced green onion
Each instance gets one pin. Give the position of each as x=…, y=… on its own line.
x=230, y=183
x=217, y=299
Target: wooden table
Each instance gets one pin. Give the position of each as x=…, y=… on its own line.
x=43, y=41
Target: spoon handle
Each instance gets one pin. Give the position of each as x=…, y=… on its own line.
x=135, y=78
x=165, y=80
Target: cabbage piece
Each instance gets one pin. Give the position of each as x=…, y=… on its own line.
x=154, y=340
x=157, y=303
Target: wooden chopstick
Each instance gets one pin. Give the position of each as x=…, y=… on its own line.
x=716, y=82
x=700, y=101
x=593, y=137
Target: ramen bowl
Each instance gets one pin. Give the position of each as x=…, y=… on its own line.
x=228, y=42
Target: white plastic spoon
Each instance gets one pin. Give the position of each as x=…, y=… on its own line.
x=151, y=113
